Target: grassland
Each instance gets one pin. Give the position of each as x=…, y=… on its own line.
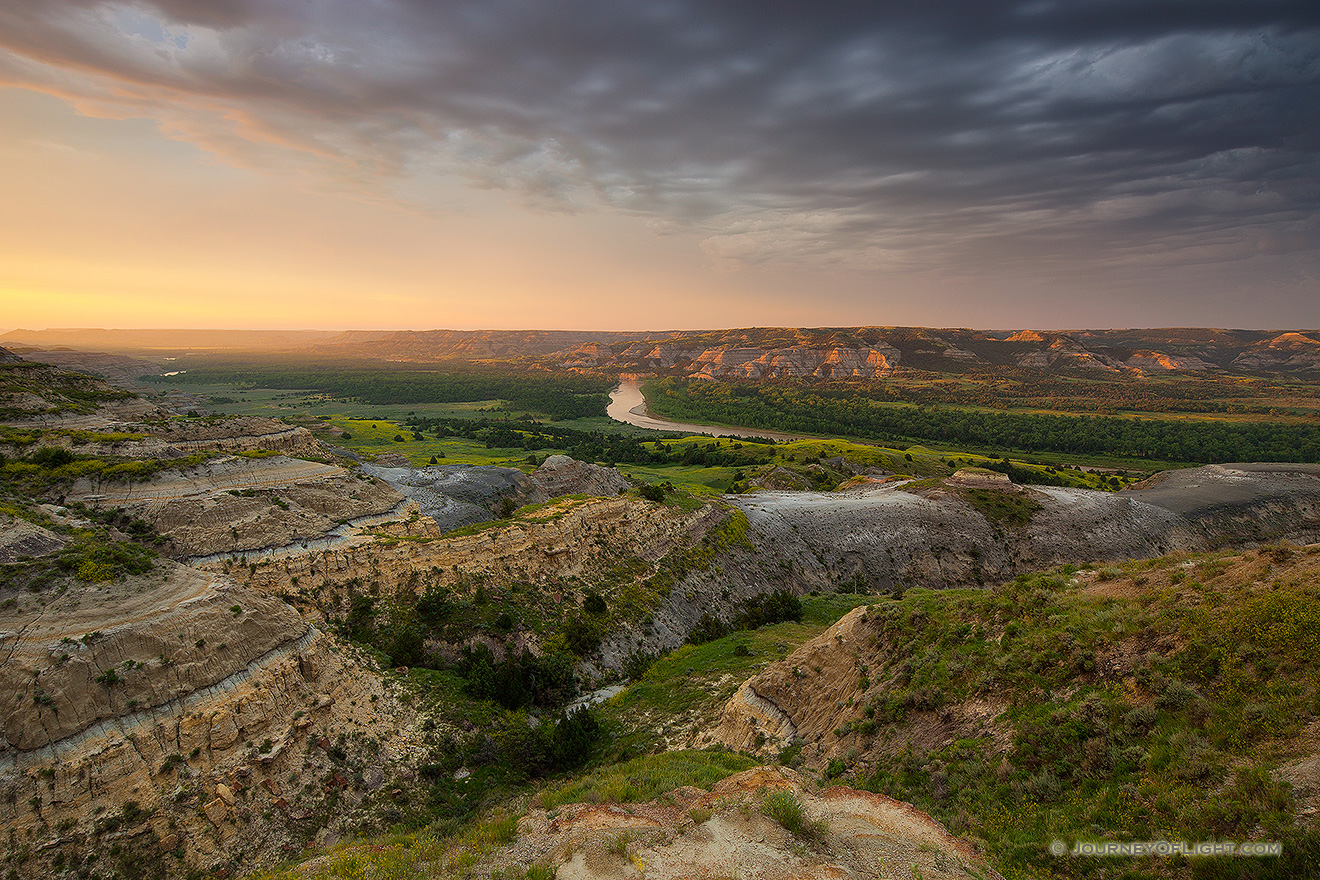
x=809, y=457
x=1156, y=699
x=310, y=406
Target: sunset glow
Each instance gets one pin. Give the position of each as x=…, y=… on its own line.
x=648, y=165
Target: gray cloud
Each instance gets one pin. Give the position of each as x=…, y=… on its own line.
x=896, y=133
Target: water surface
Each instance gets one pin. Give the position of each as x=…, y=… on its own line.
x=629, y=406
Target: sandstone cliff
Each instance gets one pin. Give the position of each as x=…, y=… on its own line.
x=159, y=719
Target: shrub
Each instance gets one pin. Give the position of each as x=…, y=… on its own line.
x=95, y=572
x=637, y=664
x=52, y=457
x=708, y=629
x=517, y=680
x=93, y=558
x=594, y=604
x=583, y=636
x=434, y=607
x=404, y=645
x=784, y=807
x=776, y=607
x=790, y=753
x=574, y=735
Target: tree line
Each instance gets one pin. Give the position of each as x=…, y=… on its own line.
x=804, y=409
x=558, y=395
x=531, y=435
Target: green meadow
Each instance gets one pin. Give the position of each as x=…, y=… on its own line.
x=373, y=429
x=371, y=437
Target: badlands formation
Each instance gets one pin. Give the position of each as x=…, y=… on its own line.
x=852, y=352
x=203, y=714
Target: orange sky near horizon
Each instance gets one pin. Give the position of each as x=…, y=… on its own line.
x=336, y=165
x=109, y=223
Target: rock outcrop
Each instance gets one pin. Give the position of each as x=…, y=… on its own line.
x=236, y=434
x=915, y=534
x=240, y=504
x=727, y=832
x=804, y=697
x=162, y=717
x=459, y=495
x=561, y=475
x=1158, y=361
x=1287, y=351
x=39, y=395
x=117, y=369
x=756, y=363
x=74, y=663
x=21, y=540
x=570, y=539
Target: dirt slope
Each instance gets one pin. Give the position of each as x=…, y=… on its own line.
x=934, y=534
x=689, y=833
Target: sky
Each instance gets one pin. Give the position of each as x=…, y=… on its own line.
x=648, y=164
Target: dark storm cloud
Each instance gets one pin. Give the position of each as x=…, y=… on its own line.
x=1010, y=130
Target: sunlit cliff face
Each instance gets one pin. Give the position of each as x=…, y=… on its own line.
x=657, y=164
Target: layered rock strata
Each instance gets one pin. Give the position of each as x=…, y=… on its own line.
x=237, y=504
x=727, y=832
x=161, y=719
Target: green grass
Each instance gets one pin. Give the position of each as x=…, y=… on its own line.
x=699, y=679
x=373, y=437
x=626, y=769
x=646, y=778
x=701, y=480
x=998, y=506
x=410, y=856
x=927, y=461
x=459, y=853
x=1179, y=744
x=785, y=808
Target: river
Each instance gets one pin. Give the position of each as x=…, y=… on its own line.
x=628, y=405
